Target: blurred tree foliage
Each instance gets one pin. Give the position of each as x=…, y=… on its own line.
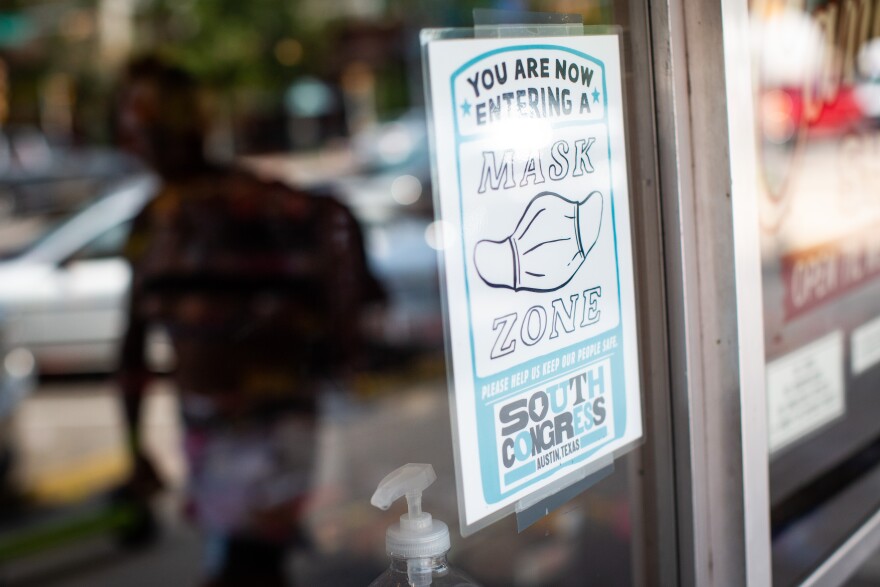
x=232, y=46
x=229, y=42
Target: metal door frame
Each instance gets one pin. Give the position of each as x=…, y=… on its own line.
x=713, y=279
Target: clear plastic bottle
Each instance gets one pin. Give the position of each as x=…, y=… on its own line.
x=441, y=574
x=419, y=543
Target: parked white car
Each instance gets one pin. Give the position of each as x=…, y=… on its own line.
x=63, y=296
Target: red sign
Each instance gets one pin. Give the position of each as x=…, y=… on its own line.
x=820, y=274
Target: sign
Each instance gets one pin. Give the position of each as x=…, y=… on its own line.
x=805, y=390
x=531, y=186
x=815, y=276
x=865, y=344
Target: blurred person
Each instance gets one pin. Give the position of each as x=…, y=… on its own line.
x=259, y=287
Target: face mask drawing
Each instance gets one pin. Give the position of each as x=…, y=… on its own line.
x=547, y=247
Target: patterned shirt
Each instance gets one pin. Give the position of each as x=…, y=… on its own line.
x=259, y=286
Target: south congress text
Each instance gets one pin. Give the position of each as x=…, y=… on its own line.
x=546, y=425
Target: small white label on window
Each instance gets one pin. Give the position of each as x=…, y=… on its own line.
x=866, y=346
x=805, y=390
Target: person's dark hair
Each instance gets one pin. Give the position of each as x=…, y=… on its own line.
x=174, y=125
x=162, y=71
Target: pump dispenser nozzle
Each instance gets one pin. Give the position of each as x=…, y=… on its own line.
x=409, y=480
x=418, y=536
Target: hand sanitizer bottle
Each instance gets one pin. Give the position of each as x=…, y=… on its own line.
x=418, y=544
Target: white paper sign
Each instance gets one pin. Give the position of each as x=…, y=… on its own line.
x=532, y=192
x=805, y=390
x=866, y=346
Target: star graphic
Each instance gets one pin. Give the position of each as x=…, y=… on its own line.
x=596, y=96
x=466, y=108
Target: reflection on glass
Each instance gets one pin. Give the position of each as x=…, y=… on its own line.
x=818, y=136
x=324, y=102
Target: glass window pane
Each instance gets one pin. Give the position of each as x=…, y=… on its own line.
x=817, y=138
x=284, y=246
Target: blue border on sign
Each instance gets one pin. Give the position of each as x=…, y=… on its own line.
x=491, y=478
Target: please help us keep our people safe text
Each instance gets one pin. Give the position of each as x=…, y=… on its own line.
x=532, y=185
